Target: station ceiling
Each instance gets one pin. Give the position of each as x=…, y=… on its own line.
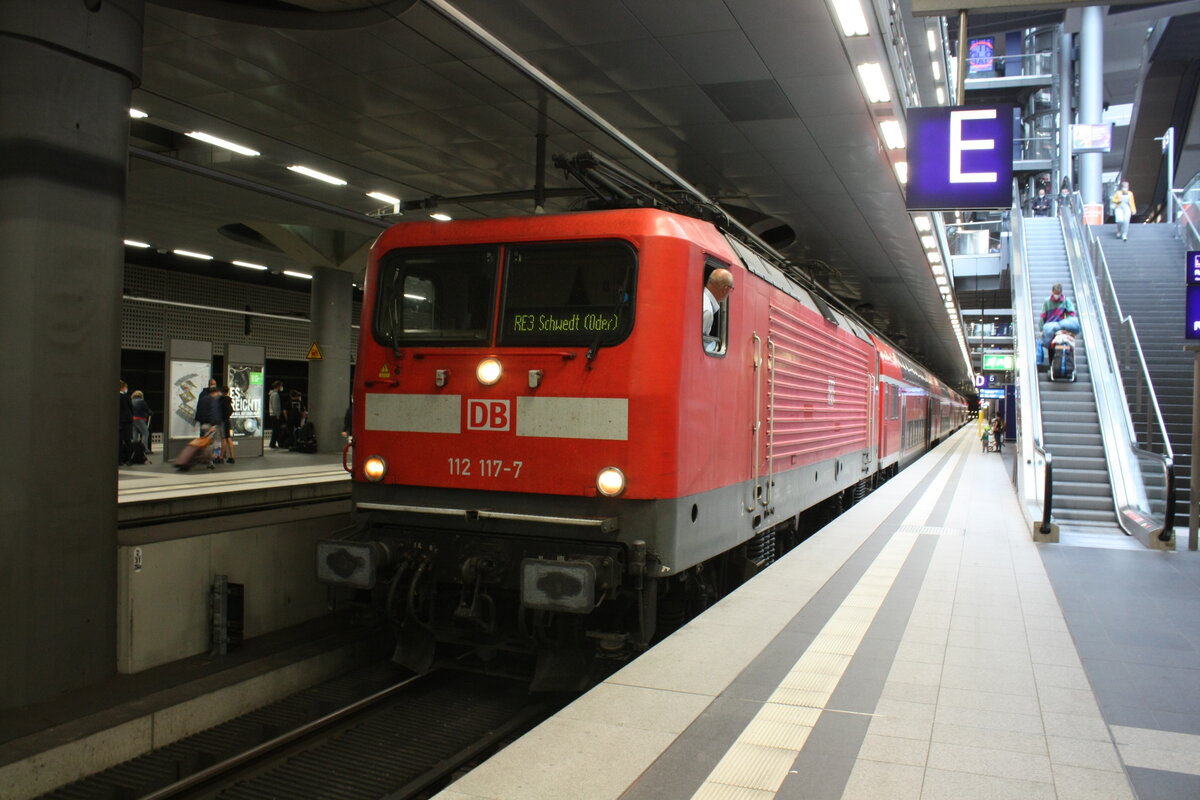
x=755, y=102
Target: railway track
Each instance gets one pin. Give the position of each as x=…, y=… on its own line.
x=376, y=733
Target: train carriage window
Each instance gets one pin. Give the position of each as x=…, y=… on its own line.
x=578, y=293
x=436, y=296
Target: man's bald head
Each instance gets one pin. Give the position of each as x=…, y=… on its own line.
x=720, y=283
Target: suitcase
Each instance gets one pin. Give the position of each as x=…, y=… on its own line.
x=1062, y=363
x=137, y=452
x=195, y=452
x=306, y=439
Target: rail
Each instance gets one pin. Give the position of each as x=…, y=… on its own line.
x=1139, y=453
x=1187, y=201
x=1034, y=460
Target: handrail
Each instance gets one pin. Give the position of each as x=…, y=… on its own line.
x=1119, y=328
x=1187, y=200
x=1048, y=488
x=1029, y=423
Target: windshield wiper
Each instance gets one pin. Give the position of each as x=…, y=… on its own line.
x=622, y=299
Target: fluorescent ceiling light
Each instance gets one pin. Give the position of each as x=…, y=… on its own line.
x=225, y=143
x=190, y=254
x=928, y=242
x=137, y=113
x=902, y=171
x=937, y=69
x=439, y=216
x=304, y=275
x=893, y=136
x=941, y=96
x=415, y=296
x=385, y=198
x=937, y=269
x=922, y=223
x=850, y=17
x=874, y=82
x=932, y=41
x=941, y=280
x=321, y=176
x=132, y=243
x=248, y=265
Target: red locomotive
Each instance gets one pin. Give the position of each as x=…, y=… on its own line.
x=551, y=459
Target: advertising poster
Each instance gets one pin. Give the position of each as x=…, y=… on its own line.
x=187, y=379
x=246, y=392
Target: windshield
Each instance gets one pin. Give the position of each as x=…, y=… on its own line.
x=568, y=294
x=578, y=294
x=436, y=296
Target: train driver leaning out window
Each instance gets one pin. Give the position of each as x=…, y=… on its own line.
x=716, y=289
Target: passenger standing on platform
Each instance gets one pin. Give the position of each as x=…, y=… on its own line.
x=208, y=415
x=1041, y=204
x=227, y=424
x=124, y=425
x=998, y=431
x=296, y=411
x=718, y=287
x=141, y=420
x=275, y=412
x=1123, y=210
x=1057, y=314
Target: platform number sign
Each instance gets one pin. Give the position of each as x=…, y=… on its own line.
x=960, y=158
x=1193, y=295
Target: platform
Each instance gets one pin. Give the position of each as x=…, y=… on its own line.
x=921, y=646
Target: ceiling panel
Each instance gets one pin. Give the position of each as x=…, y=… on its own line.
x=718, y=57
x=679, y=17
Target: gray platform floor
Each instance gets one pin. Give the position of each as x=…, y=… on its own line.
x=921, y=646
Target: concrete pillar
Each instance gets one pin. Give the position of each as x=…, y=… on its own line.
x=1064, y=111
x=67, y=68
x=329, y=377
x=1091, y=97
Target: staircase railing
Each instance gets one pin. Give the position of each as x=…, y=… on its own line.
x=1035, y=478
x=1141, y=461
x=1187, y=201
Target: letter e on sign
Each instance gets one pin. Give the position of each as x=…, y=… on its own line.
x=489, y=415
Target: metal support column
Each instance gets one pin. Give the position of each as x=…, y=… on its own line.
x=1091, y=98
x=1064, y=110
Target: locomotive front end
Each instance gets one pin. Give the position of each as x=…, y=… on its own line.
x=496, y=487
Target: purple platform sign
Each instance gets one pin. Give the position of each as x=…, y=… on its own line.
x=1193, y=313
x=960, y=158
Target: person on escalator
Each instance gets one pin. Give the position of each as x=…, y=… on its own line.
x=1058, y=313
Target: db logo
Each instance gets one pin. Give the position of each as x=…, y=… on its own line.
x=488, y=415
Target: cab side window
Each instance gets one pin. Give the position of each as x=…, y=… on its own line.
x=714, y=333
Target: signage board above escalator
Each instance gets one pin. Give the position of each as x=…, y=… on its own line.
x=1193, y=267
x=960, y=158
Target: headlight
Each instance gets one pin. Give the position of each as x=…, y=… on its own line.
x=488, y=371
x=610, y=482
x=374, y=468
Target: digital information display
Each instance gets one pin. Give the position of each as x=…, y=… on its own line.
x=1193, y=312
x=1091, y=137
x=980, y=55
x=1193, y=267
x=548, y=323
x=991, y=394
x=960, y=158
x=995, y=361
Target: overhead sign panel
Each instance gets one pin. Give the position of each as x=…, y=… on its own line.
x=1193, y=267
x=1091, y=137
x=1193, y=312
x=960, y=158
x=997, y=361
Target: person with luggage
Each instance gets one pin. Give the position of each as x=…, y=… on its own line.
x=141, y=427
x=227, y=424
x=124, y=425
x=998, y=432
x=208, y=415
x=1058, y=313
x=304, y=437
